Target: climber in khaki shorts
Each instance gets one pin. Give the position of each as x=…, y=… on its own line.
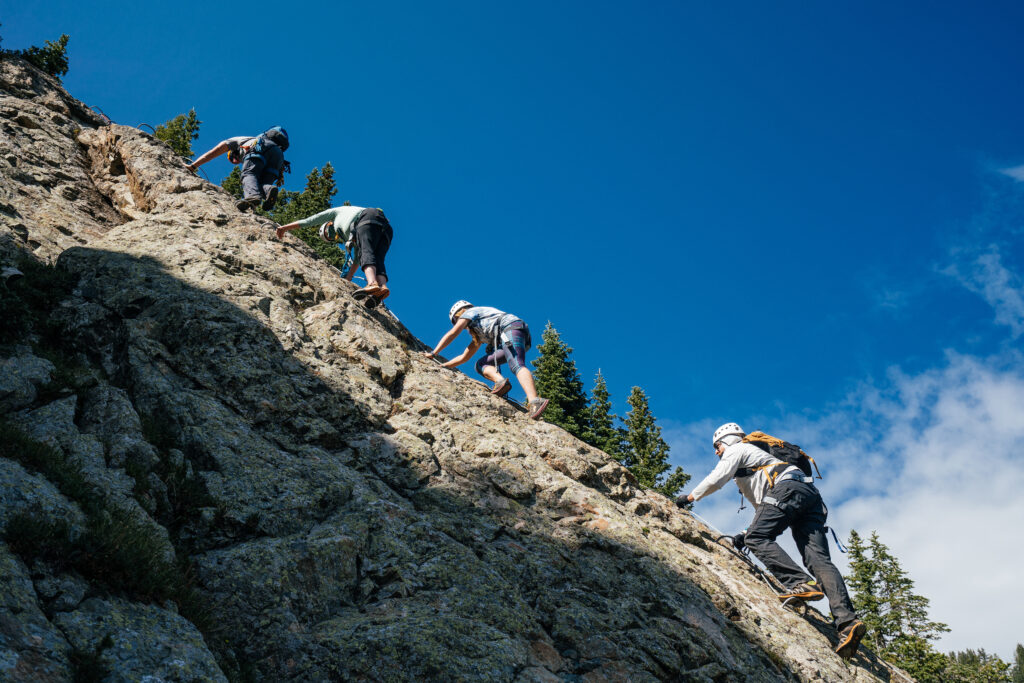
x=784, y=496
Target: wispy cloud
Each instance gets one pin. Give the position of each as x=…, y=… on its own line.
x=1015, y=172
x=983, y=272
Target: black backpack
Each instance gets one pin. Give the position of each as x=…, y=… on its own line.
x=785, y=451
x=279, y=136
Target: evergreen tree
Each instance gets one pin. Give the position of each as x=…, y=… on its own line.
x=972, y=666
x=179, y=133
x=1017, y=673
x=52, y=58
x=602, y=432
x=896, y=617
x=292, y=206
x=645, y=453
x=233, y=182
x=558, y=381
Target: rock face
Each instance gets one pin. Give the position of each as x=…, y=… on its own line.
x=338, y=507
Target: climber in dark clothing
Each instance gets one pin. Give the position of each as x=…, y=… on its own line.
x=262, y=159
x=784, y=499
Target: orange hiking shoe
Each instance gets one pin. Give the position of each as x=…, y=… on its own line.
x=368, y=290
x=850, y=637
x=502, y=387
x=805, y=592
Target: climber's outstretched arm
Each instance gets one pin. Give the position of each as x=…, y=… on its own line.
x=464, y=356
x=221, y=148
x=449, y=336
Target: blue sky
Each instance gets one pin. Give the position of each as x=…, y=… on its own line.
x=798, y=216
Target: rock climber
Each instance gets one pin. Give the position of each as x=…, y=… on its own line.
x=507, y=339
x=263, y=163
x=368, y=232
x=783, y=497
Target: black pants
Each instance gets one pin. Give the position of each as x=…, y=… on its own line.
x=799, y=507
x=261, y=171
x=373, y=238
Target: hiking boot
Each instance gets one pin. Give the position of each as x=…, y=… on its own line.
x=502, y=387
x=368, y=290
x=805, y=592
x=382, y=293
x=271, y=199
x=849, y=638
x=247, y=203
x=537, y=407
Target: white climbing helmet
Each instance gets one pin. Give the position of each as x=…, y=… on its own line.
x=328, y=233
x=456, y=307
x=725, y=430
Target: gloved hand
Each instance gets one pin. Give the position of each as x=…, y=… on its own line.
x=682, y=502
x=739, y=540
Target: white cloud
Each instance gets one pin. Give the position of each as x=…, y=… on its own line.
x=1015, y=172
x=984, y=274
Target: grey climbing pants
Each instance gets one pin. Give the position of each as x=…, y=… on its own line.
x=260, y=171
x=798, y=506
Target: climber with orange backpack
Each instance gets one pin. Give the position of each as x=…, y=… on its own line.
x=263, y=165
x=775, y=476
x=507, y=339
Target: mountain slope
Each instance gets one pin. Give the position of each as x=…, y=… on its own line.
x=337, y=506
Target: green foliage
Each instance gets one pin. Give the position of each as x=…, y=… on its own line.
x=972, y=666
x=601, y=431
x=896, y=617
x=558, y=381
x=115, y=550
x=233, y=182
x=52, y=58
x=26, y=302
x=645, y=453
x=1017, y=673
x=179, y=133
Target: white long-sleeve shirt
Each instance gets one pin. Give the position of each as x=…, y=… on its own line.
x=738, y=456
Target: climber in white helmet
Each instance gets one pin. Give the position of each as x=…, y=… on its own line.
x=783, y=497
x=507, y=339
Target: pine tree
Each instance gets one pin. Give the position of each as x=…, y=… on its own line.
x=179, y=133
x=558, y=381
x=645, y=453
x=292, y=206
x=1017, y=673
x=896, y=617
x=52, y=58
x=972, y=666
x=233, y=182
x=602, y=432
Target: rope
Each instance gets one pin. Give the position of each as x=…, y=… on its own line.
x=147, y=126
x=839, y=544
